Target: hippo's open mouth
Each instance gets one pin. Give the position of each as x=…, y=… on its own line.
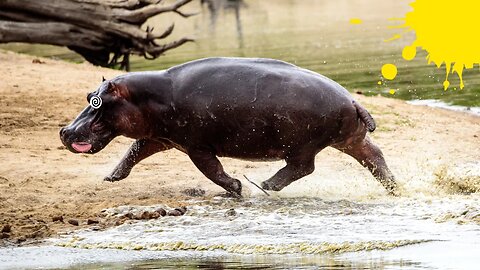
x=81, y=147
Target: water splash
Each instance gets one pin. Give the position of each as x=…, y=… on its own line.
x=293, y=248
x=458, y=181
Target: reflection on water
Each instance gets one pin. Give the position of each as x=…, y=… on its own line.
x=64, y=258
x=215, y=7
x=258, y=262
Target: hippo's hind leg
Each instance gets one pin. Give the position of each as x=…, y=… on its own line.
x=298, y=166
x=210, y=166
x=139, y=150
x=371, y=157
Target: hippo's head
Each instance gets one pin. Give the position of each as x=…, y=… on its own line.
x=110, y=113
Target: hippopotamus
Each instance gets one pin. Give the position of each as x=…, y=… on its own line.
x=247, y=108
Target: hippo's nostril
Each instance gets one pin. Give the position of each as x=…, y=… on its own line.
x=62, y=131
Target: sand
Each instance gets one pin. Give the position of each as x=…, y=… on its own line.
x=40, y=179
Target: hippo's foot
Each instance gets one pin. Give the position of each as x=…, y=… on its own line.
x=228, y=194
x=117, y=175
x=273, y=184
x=234, y=189
x=394, y=193
x=391, y=187
x=298, y=166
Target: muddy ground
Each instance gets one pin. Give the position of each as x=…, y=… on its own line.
x=41, y=180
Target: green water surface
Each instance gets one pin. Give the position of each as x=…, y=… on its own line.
x=314, y=34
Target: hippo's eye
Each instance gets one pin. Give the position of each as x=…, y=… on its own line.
x=95, y=102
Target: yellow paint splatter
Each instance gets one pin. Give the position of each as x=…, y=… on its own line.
x=389, y=71
x=392, y=91
x=396, y=36
x=448, y=31
x=355, y=21
x=409, y=52
x=446, y=84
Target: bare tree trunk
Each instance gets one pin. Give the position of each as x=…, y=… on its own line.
x=102, y=31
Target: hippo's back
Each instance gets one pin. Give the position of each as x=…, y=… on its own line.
x=230, y=62
x=254, y=80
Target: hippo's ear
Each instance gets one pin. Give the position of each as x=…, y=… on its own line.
x=118, y=90
x=103, y=79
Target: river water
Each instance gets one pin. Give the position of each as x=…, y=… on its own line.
x=314, y=34
x=276, y=232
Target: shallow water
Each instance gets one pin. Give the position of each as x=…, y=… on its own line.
x=440, y=104
x=276, y=233
x=314, y=34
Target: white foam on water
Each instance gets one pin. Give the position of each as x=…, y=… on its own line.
x=440, y=104
x=281, y=226
x=271, y=226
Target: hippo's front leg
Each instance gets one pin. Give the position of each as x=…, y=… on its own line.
x=139, y=150
x=210, y=166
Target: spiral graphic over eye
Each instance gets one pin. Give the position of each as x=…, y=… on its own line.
x=96, y=102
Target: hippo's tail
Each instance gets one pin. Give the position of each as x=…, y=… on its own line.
x=365, y=116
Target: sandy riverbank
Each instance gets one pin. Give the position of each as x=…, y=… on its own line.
x=40, y=179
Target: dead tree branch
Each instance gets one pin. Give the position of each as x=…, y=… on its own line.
x=103, y=32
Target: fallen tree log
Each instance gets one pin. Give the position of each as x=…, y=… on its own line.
x=104, y=32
